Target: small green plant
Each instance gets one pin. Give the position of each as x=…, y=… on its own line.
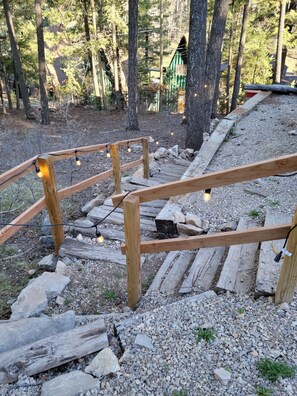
x=207, y=334
x=254, y=213
x=110, y=295
x=274, y=203
x=240, y=310
x=182, y=392
x=262, y=391
x=274, y=370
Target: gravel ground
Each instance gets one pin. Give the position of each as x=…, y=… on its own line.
x=246, y=330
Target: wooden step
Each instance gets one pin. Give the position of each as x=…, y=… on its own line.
x=203, y=270
x=268, y=269
x=149, y=212
x=239, y=269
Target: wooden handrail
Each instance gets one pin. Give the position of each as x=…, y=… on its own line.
x=287, y=163
x=257, y=234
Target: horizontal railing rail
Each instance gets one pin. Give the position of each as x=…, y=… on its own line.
x=134, y=247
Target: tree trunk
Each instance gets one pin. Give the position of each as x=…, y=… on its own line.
x=236, y=87
x=5, y=80
x=161, y=55
x=195, y=91
x=214, y=55
x=2, y=98
x=118, y=94
x=93, y=54
x=17, y=62
x=41, y=64
x=132, y=67
x=230, y=57
x=279, y=48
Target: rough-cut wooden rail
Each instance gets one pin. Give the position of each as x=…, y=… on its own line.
x=239, y=174
x=282, y=88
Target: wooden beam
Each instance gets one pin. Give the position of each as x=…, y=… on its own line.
x=146, y=158
x=116, y=166
x=288, y=276
x=287, y=163
x=212, y=240
x=17, y=172
x=132, y=164
x=52, y=201
x=282, y=88
x=132, y=237
x=23, y=218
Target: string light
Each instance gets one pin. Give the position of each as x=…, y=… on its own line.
x=108, y=155
x=195, y=94
x=184, y=117
x=77, y=160
x=37, y=170
x=207, y=195
x=99, y=236
x=128, y=147
x=157, y=142
x=171, y=133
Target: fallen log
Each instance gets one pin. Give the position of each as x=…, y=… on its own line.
x=281, y=88
x=53, y=351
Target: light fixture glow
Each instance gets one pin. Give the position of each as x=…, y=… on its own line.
x=157, y=142
x=99, y=236
x=129, y=148
x=207, y=195
x=37, y=170
x=171, y=133
x=77, y=160
x=108, y=155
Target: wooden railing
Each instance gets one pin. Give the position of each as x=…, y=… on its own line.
x=52, y=196
x=134, y=247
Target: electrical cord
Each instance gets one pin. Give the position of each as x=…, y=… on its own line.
x=283, y=250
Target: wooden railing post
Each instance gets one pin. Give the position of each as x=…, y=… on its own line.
x=287, y=282
x=116, y=167
x=133, y=259
x=146, y=158
x=51, y=198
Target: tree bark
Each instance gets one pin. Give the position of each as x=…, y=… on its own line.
x=45, y=119
x=132, y=66
x=17, y=62
x=279, y=48
x=236, y=87
x=195, y=91
x=214, y=55
x=161, y=55
x=2, y=98
x=93, y=55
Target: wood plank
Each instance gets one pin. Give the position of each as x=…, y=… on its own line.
x=132, y=236
x=229, y=238
x=287, y=282
x=176, y=272
x=51, y=198
x=150, y=212
x=203, y=270
x=116, y=166
x=108, y=233
x=141, y=181
x=268, y=269
x=16, y=173
x=282, y=88
x=286, y=163
x=246, y=107
x=155, y=204
x=23, y=218
x=53, y=351
x=146, y=158
x=155, y=286
x=239, y=268
x=74, y=248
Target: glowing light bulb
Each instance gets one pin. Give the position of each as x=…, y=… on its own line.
x=39, y=173
x=77, y=160
x=107, y=153
x=129, y=148
x=157, y=142
x=184, y=117
x=171, y=133
x=99, y=236
x=205, y=86
x=207, y=195
x=195, y=94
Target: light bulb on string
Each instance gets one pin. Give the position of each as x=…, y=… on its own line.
x=207, y=195
x=195, y=94
x=99, y=236
x=157, y=142
x=129, y=148
x=108, y=155
x=171, y=133
x=77, y=160
x=37, y=170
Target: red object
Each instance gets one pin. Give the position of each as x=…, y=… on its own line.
x=250, y=93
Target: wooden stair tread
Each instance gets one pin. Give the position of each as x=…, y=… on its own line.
x=268, y=269
x=238, y=271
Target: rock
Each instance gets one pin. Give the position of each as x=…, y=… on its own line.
x=254, y=353
x=46, y=229
x=293, y=132
x=70, y=384
x=144, y=341
x=205, y=136
x=67, y=261
x=231, y=226
x=61, y=268
x=14, y=334
x=179, y=217
x=105, y=362
x=52, y=283
x=137, y=148
x=275, y=353
x=194, y=220
x=60, y=300
x=189, y=229
x=80, y=238
x=160, y=153
x=94, y=202
x=47, y=241
x=284, y=307
x=31, y=302
x=32, y=272
x=125, y=356
x=48, y=263
x=222, y=375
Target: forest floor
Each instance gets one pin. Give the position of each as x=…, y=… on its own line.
x=70, y=127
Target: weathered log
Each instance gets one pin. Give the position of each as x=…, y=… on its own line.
x=286, y=89
x=52, y=351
